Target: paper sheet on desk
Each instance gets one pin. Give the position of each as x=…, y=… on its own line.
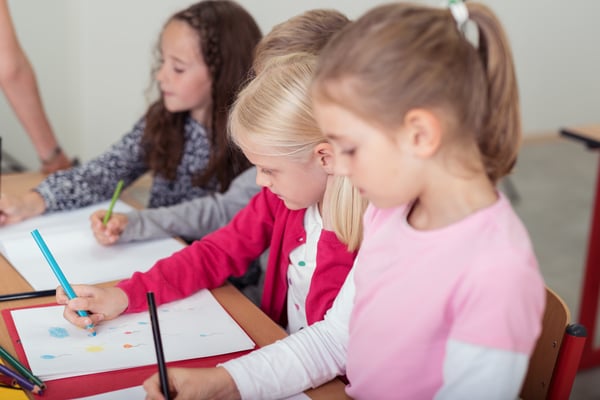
x=71, y=241
x=193, y=327
x=137, y=392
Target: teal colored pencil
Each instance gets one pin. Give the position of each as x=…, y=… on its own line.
x=59, y=274
x=113, y=201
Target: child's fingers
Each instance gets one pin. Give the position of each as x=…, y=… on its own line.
x=152, y=388
x=114, y=227
x=61, y=297
x=96, y=217
x=108, y=234
x=86, y=290
x=73, y=317
x=102, y=238
x=85, y=300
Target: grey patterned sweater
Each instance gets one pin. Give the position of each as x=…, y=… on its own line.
x=95, y=181
x=193, y=219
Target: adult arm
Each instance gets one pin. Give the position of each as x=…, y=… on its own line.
x=18, y=82
x=306, y=359
x=192, y=219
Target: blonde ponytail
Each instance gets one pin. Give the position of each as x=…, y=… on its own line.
x=346, y=207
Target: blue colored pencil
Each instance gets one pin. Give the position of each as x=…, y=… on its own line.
x=59, y=275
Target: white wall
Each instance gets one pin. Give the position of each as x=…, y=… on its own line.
x=92, y=60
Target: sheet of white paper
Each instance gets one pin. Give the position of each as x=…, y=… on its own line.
x=137, y=392
x=193, y=327
x=71, y=241
x=132, y=393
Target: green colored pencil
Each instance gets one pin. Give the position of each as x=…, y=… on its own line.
x=21, y=368
x=113, y=201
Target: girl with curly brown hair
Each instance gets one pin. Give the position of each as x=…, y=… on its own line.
x=205, y=53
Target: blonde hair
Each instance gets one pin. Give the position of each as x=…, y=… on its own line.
x=308, y=32
x=403, y=56
x=273, y=114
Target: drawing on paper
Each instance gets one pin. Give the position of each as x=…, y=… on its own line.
x=130, y=346
x=193, y=327
x=94, y=349
x=210, y=334
x=52, y=356
x=58, y=332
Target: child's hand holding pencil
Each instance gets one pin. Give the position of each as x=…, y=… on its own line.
x=109, y=233
x=194, y=383
x=102, y=304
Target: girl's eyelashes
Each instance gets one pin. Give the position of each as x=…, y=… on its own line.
x=266, y=171
x=343, y=148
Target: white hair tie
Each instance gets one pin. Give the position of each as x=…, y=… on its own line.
x=460, y=13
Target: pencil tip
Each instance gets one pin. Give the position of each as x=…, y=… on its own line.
x=91, y=330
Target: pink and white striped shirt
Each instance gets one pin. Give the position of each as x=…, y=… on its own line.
x=445, y=314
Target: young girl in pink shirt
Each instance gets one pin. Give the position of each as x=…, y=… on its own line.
x=446, y=299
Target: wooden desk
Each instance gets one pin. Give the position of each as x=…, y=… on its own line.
x=257, y=325
x=590, y=295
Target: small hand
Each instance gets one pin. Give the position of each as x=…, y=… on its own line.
x=17, y=208
x=194, y=384
x=102, y=303
x=111, y=232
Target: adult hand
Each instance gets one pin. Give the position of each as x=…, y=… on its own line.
x=57, y=163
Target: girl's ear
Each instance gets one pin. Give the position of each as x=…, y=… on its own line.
x=424, y=131
x=324, y=154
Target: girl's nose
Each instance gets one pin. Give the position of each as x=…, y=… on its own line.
x=159, y=74
x=262, y=180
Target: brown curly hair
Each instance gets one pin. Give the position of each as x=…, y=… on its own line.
x=227, y=36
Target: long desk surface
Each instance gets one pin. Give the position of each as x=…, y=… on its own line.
x=257, y=325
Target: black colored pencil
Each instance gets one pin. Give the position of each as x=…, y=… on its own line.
x=160, y=357
x=27, y=295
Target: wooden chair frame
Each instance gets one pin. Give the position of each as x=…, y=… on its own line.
x=555, y=359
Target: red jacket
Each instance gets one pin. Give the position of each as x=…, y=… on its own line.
x=265, y=223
